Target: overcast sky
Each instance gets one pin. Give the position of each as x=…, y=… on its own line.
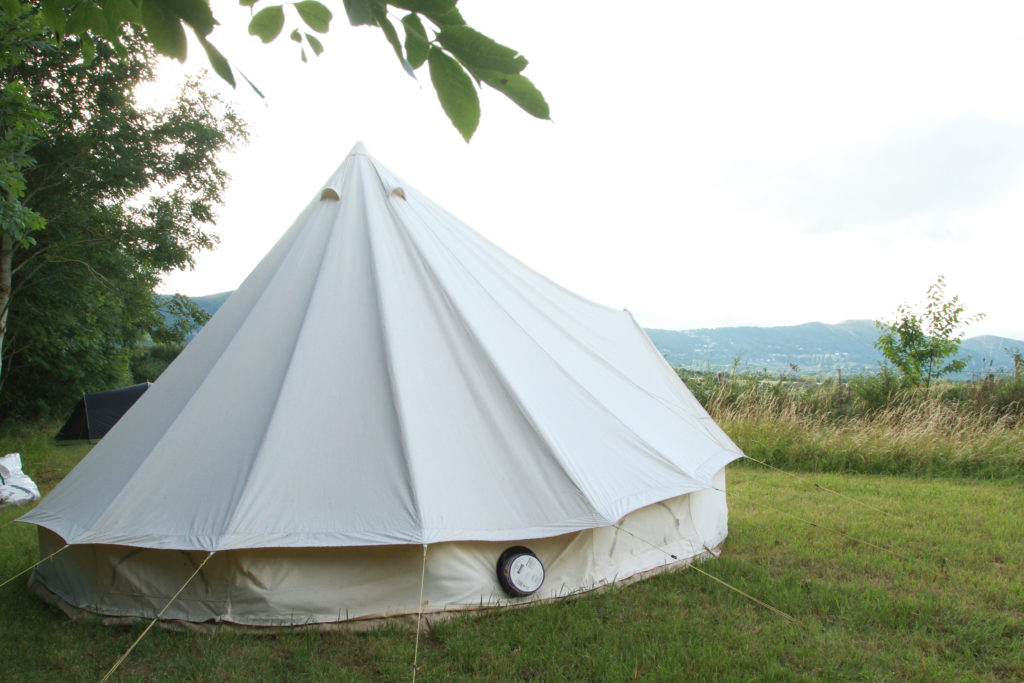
x=708, y=164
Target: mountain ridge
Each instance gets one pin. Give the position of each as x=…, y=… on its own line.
x=814, y=348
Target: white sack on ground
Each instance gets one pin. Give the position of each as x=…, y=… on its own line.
x=16, y=487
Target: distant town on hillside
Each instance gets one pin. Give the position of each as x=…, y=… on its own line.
x=808, y=349
x=812, y=349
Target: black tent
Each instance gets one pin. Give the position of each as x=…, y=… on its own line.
x=95, y=414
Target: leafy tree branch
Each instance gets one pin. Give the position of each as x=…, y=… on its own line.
x=460, y=59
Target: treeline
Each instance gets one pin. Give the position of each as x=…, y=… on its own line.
x=100, y=196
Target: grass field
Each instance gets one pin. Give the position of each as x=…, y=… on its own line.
x=948, y=607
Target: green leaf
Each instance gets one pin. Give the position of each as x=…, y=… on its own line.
x=76, y=23
x=425, y=6
x=88, y=50
x=450, y=18
x=360, y=12
x=416, y=43
x=316, y=16
x=315, y=43
x=247, y=3
x=519, y=89
x=217, y=61
x=381, y=13
x=97, y=21
x=164, y=29
x=477, y=50
x=195, y=13
x=12, y=7
x=52, y=12
x=252, y=85
x=296, y=36
x=117, y=13
x=267, y=23
x=119, y=47
x=455, y=91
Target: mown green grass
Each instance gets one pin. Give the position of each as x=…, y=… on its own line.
x=949, y=608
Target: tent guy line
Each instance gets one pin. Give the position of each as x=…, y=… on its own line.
x=124, y=656
x=28, y=569
x=419, y=615
x=825, y=488
x=816, y=525
x=697, y=569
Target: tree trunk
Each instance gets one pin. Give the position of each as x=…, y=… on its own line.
x=6, y=259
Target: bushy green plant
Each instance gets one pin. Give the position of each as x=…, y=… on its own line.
x=876, y=391
x=920, y=341
x=150, y=360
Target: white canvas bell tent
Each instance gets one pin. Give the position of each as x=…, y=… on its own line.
x=385, y=407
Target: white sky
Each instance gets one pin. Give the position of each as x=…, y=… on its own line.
x=709, y=164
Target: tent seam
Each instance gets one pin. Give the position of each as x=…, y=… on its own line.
x=388, y=364
x=510, y=392
x=284, y=377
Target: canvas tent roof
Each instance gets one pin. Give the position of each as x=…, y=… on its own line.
x=388, y=376
x=96, y=413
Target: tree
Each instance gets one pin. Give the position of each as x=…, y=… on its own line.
x=919, y=341
x=459, y=58
x=125, y=195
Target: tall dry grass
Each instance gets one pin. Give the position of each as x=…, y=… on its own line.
x=951, y=430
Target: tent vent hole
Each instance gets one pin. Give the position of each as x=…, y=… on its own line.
x=329, y=193
x=398, y=192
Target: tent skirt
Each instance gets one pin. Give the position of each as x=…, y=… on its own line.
x=279, y=587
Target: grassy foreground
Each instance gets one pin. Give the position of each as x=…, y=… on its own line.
x=949, y=608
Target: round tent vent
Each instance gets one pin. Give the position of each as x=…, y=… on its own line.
x=329, y=193
x=520, y=572
x=398, y=192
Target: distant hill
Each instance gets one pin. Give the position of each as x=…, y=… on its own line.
x=815, y=348
x=211, y=302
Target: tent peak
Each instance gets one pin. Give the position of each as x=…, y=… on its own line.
x=359, y=149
